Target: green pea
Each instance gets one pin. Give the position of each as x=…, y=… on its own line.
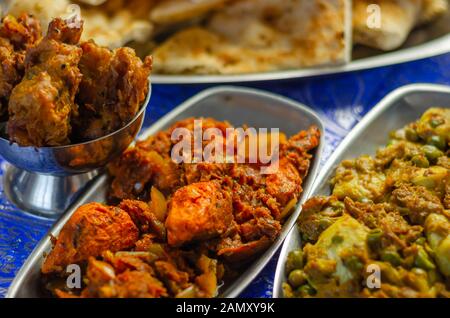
x=325, y=223
x=287, y=291
x=437, y=141
x=392, y=257
x=435, y=122
x=305, y=237
x=423, y=260
x=420, y=161
x=431, y=152
x=294, y=261
x=306, y=290
x=391, y=142
x=354, y=263
x=421, y=240
x=338, y=206
x=374, y=239
x=411, y=134
x=297, y=278
x=337, y=239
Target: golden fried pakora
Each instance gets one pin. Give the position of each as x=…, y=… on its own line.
x=113, y=87
x=41, y=105
x=59, y=92
x=388, y=212
x=199, y=223
x=16, y=35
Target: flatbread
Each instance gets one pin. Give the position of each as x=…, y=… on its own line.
x=110, y=24
x=114, y=31
x=44, y=10
x=433, y=9
x=261, y=35
x=92, y=2
x=398, y=19
x=174, y=11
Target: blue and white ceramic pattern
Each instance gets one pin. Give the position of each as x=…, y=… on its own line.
x=342, y=100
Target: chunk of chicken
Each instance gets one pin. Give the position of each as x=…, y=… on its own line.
x=198, y=211
x=142, y=215
x=105, y=281
x=137, y=168
x=92, y=229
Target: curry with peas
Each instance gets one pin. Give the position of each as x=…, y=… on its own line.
x=385, y=229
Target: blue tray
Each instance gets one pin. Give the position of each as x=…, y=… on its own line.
x=341, y=100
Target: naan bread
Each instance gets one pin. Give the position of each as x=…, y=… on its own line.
x=92, y=2
x=112, y=24
x=261, y=35
x=432, y=9
x=116, y=30
x=44, y=10
x=398, y=19
x=174, y=11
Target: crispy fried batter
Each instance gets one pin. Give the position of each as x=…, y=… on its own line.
x=57, y=92
x=40, y=107
x=113, y=88
x=16, y=35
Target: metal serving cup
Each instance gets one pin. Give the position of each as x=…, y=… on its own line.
x=45, y=181
x=399, y=108
x=239, y=106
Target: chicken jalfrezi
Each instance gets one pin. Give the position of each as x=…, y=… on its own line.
x=57, y=91
x=390, y=212
x=178, y=230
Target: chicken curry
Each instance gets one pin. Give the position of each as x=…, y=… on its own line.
x=177, y=230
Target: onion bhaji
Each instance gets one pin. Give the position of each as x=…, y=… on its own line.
x=57, y=91
x=198, y=224
x=389, y=211
x=113, y=87
x=16, y=35
x=40, y=106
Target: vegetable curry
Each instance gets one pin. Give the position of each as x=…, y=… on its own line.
x=388, y=214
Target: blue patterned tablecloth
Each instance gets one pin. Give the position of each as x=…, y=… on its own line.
x=342, y=100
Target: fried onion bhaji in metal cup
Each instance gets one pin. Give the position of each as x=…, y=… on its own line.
x=199, y=224
x=113, y=87
x=41, y=105
x=66, y=92
x=389, y=212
